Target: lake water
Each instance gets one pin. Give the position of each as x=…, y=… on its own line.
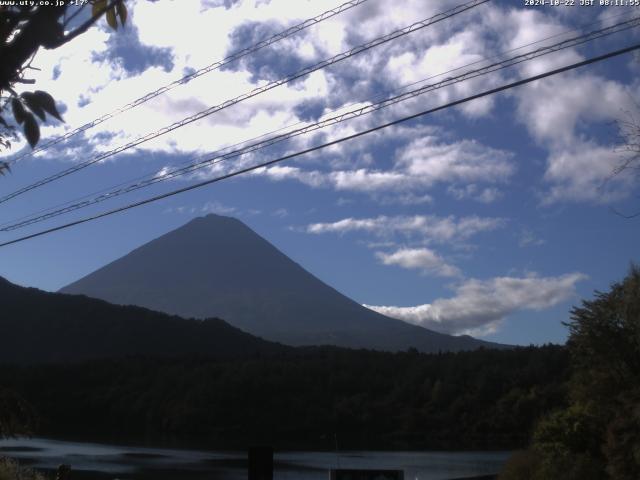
x=101, y=461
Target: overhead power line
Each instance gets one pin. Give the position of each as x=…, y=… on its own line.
x=485, y=93
x=120, y=186
x=191, y=76
x=355, y=113
x=256, y=91
x=152, y=175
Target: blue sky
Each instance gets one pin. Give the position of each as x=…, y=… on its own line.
x=491, y=219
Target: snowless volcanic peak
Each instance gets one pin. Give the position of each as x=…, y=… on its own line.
x=216, y=266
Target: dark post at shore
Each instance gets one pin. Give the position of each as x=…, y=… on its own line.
x=261, y=463
x=63, y=472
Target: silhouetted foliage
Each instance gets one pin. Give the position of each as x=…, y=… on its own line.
x=16, y=415
x=298, y=399
x=25, y=28
x=597, y=435
x=11, y=470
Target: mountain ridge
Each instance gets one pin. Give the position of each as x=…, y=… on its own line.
x=216, y=266
x=46, y=327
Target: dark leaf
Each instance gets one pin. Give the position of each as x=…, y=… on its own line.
x=31, y=130
x=98, y=7
x=4, y=123
x=52, y=33
x=111, y=18
x=19, y=112
x=122, y=12
x=34, y=105
x=47, y=102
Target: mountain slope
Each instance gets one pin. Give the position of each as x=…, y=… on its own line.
x=216, y=266
x=37, y=326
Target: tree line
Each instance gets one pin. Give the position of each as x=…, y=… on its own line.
x=485, y=399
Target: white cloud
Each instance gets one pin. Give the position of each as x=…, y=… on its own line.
x=553, y=113
x=111, y=86
x=529, y=239
x=479, y=306
x=218, y=208
x=423, y=259
x=568, y=123
x=466, y=160
x=473, y=192
x=419, y=165
x=280, y=213
x=405, y=199
x=557, y=113
x=583, y=172
x=209, y=207
x=431, y=227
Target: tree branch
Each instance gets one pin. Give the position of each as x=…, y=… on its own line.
x=82, y=28
x=74, y=15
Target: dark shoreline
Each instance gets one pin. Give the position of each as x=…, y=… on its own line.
x=178, y=443
x=152, y=474
x=119, y=462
